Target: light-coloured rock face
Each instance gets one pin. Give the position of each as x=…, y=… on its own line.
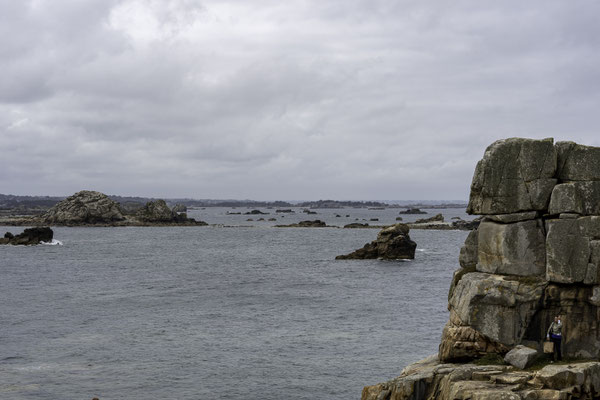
x=430, y=379
x=514, y=175
x=84, y=207
x=521, y=356
x=577, y=162
x=567, y=252
x=498, y=307
x=581, y=198
x=512, y=249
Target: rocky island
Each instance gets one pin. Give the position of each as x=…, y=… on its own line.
x=91, y=208
x=536, y=254
x=392, y=243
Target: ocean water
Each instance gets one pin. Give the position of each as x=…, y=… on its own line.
x=216, y=312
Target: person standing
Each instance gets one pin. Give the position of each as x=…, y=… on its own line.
x=555, y=334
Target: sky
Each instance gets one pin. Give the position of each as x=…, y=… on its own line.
x=289, y=100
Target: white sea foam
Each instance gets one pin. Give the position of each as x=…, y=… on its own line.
x=54, y=242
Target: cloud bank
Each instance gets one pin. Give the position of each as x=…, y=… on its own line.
x=286, y=100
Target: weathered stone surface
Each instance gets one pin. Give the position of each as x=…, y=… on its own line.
x=512, y=249
x=84, y=207
x=468, y=252
x=511, y=218
x=463, y=343
x=514, y=175
x=498, y=307
x=567, y=251
x=591, y=275
x=521, y=356
x=431, y=380
x=576, y=197
x=589, y=227
x=577, y=162
x=392, y=243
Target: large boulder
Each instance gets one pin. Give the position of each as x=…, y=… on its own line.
x=512, y=249
x=514, y=175
x=521, y=356
x=577, y=162
x=581, y=198
x=392, y=243
x=83, y=208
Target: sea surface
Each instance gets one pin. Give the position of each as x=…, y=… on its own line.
x=219, y=312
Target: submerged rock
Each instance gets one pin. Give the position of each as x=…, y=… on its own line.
x=392, y=243
x=29, y=237
x=305, y=224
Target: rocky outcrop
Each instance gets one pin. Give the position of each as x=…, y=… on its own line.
x=535, y=255
x=431, y=379
x=392, y=243
x=412, y=211
x=435, y=218
x=356, y=225
x=29, y=237
x=305, y=224
x=255, y=212
x=542, y=246
x=89, y=208
x=180, y=208
x=84, y=208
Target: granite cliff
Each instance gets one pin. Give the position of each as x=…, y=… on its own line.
x=535, y=254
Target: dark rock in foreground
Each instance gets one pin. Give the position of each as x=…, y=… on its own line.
x=392, y=243
x=29, y=237
x=305, y=224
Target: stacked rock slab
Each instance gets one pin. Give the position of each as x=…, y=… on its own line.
x=535, y=254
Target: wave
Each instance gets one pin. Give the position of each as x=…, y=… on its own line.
x=54, y=242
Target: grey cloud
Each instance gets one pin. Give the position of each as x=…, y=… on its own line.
x=269, y=99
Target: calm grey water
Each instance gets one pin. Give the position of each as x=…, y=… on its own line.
x=215, y=313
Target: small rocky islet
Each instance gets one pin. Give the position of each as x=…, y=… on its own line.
x=535, y=254
x=29, y=237
x=91, y=208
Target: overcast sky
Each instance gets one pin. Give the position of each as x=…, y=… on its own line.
x=286, y=99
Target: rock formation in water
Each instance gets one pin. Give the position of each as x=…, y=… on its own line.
x=317, y=223
x=392, y=243
x=89, y=208
x=413, y=211
x=84, y=207
x=536, y=254
x=29, y=237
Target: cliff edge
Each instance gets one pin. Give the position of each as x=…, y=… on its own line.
x=535, y=255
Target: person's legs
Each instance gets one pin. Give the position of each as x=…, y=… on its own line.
x=557, y=350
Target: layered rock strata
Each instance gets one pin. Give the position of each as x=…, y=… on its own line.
x=535, y=254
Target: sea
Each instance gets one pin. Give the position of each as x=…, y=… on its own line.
x=235, y=310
